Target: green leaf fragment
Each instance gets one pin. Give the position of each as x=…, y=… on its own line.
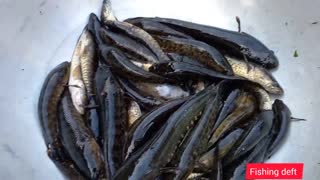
x=295, y=54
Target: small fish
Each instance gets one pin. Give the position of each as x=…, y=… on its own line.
x=107, y=12
x=51, y=93
x=183, y=70
x=196, y=143
x=114, y=125
x=255, y=74
x=134, y=112
x=197, y=50
x=121, y=65
x=260, y=129
x=237, y=169
x=128, y=166
x=79, y=140
x=281, y=125
x=145, y=127
x=246, y=106
x=225, y=145
x=155, y=28
x=128, y=45
x=145, y=100
x=230, y=104
x=237, y=43
x=96, y=115
x=161, y=151
x=76, y=84
x=141, y=36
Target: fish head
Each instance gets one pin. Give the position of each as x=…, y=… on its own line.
x=274, y=88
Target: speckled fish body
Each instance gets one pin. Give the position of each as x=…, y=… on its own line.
x=128, y=45
x=141, y=36
x=236, y=170
x=261, y=128
x=88, y=61
x=281, y=126
x=121, y=65
x=162, y=149
x=246, y=106
x=183, y=70
x=197, y=50
x=225, y=145
x=262, y=96
x=114, y=125
x=255, y=74
x=146, y=126
x=76, y=84
x=79, y=141
x=145, y=100
x=236, y=43
x=50, y=95
x=196, y=143
x=229, y=106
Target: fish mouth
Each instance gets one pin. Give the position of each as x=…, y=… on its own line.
x=272, y=58
x=276, y=89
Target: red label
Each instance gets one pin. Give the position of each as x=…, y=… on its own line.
x=274, y=171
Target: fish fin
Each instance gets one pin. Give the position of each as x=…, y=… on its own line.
x=297, y=119
x=247, y=63
x=91, y=106
x=239, y=24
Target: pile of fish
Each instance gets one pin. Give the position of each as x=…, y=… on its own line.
x=160, y=98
